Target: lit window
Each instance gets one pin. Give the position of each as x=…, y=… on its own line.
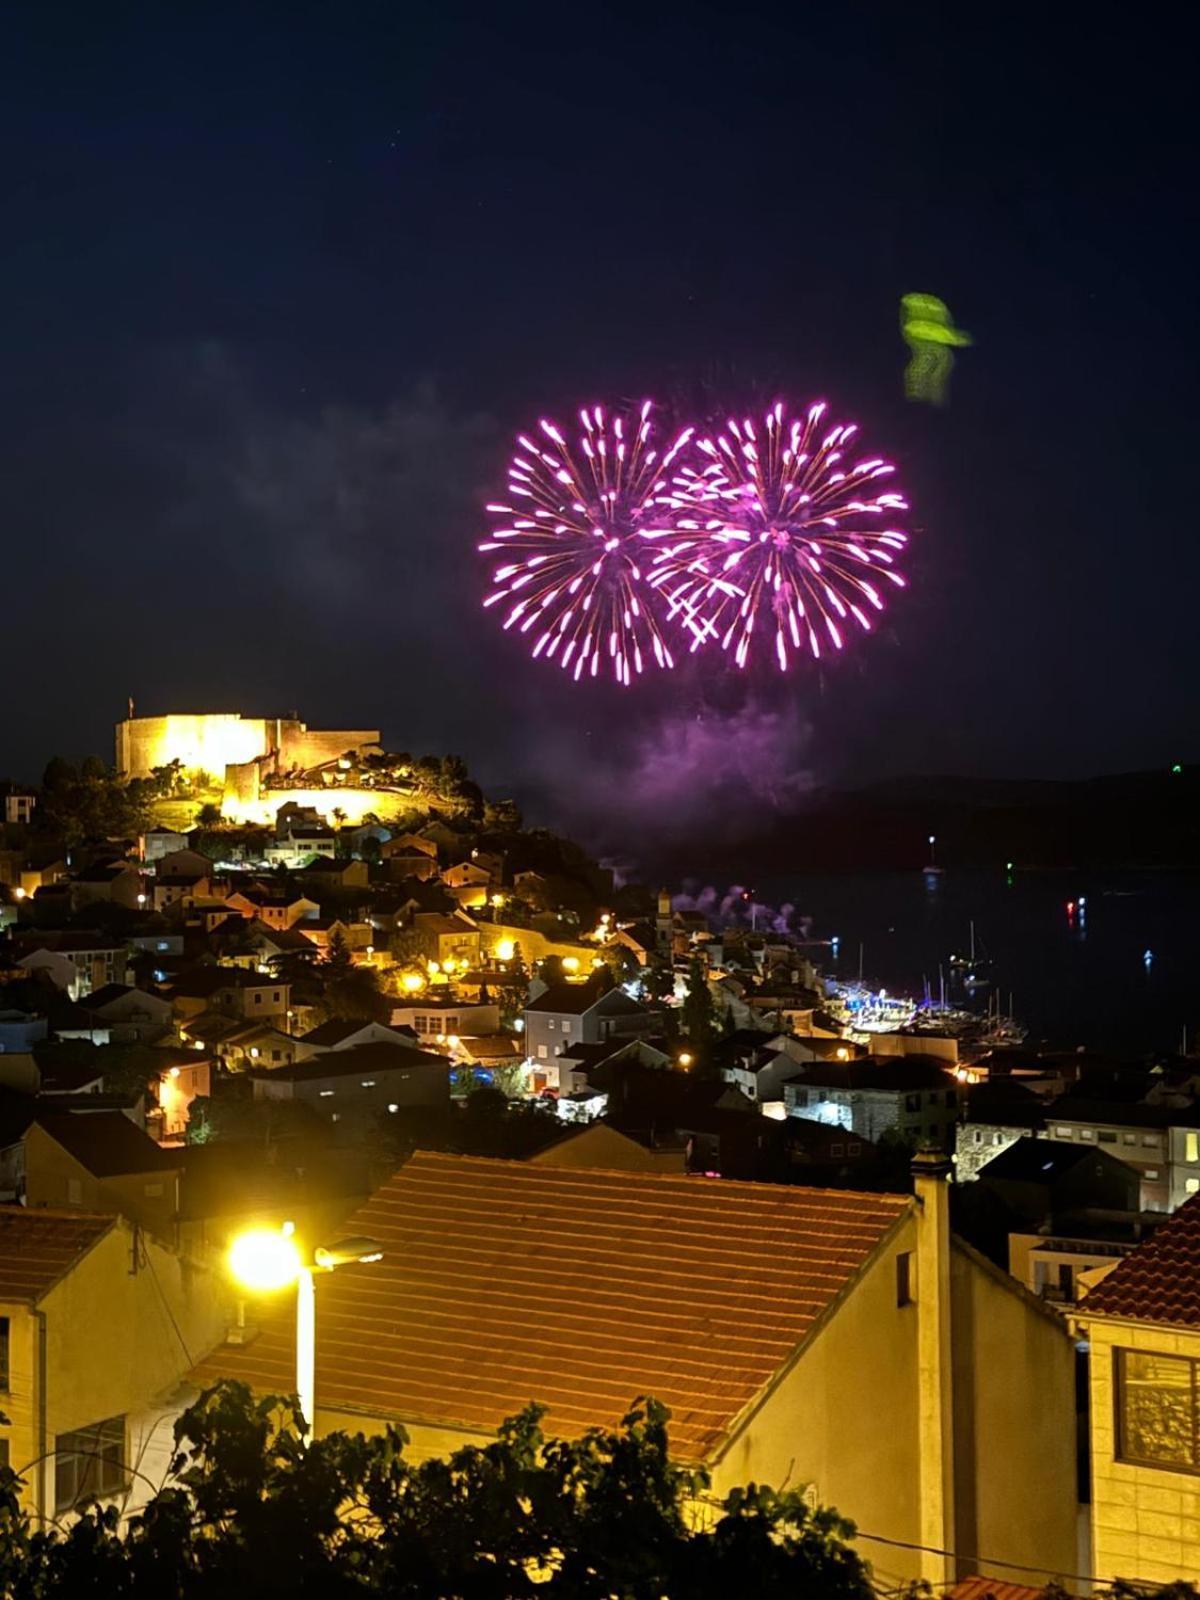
x=325, y=1093
x=542, y=1052
x=89, y=1462
x=1192, y=1186
x=1192, y=1147
x=1086, y=1133
x=4, y=1330
x=1150, y=1172
x=1062, y=1133
x=368, y=1083
x=1158, y=1410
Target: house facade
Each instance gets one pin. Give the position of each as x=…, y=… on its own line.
x=909, y=1096
x=1155, y=1140
x=95, y=1323
x=1142, y=1325
x=568, y=1014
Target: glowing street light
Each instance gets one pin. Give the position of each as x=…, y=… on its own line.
x=266, y=1260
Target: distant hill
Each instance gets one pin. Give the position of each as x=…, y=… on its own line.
x=1124, y=820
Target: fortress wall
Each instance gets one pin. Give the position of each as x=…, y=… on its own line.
x=208, y=742
x=212, y=741
x=310, y=747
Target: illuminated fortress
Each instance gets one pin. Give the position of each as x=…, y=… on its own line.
x=259, y=762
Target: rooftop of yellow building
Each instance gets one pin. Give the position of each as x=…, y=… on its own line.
x=39, y=1246
x=502, y=1282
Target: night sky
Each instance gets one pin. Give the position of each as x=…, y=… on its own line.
x=280, y=283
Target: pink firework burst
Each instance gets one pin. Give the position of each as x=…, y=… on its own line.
x=779, y=532
x=574, y=578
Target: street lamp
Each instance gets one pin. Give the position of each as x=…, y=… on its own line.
x=267, y=1260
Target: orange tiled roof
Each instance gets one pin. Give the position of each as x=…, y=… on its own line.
x=1160, y=1280
x=37, y=1247
x=503, y=1282
x=990, y=1589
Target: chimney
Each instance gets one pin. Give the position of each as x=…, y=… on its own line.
x=935, y=1418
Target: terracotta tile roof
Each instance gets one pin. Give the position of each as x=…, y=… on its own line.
x=38, y=1246
x=503, y=1282
x=990, y=1589
x=1160, y=1280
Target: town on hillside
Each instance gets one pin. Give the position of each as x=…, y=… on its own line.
x=591, y=1144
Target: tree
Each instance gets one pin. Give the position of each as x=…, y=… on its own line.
x=658, y=981
x=252, y=1511
x=209, y=815
x=550, y=970
x=698, y=1011
x=338, y=961
x=89, y=802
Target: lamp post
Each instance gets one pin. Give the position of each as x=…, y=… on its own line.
x=267, y=1260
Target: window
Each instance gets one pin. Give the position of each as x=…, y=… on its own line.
x=1191, y=1151
x=1106, y=1136
x=904, y=1278
x=3, y=1452
x=275, y=996
x=152, y=1190
x=89, y=1462
x=854, y=1148
x=325, y=1094
x=1062, y=1133
x=951, y=1097
x=4, y=1331
x=1086, y=1133
x=542, y=1052
x=1149, y=1140
x=1192, y=1186
x=74, y=1191
x=257, y=998
x=912, y=1102
x=1150, y=1172
x=275, y=1055
x=1129, y=1138
x=837, y=1151
x=977, y=1137
x=1158, y=1410
x=368, y=1083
